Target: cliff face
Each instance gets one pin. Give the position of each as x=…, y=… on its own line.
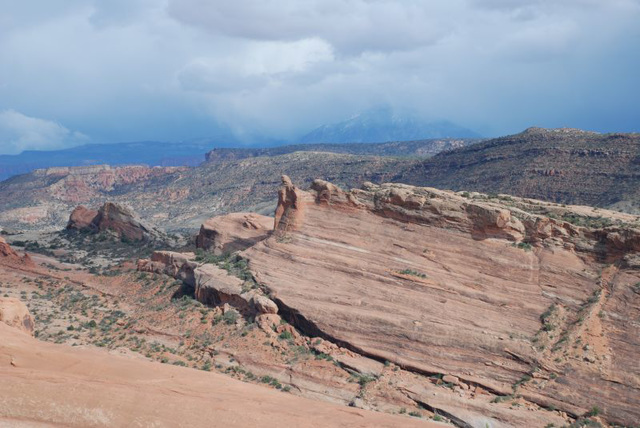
x=501, y=293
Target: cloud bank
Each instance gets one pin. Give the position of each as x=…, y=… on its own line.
x=19, y=132
x=180, y=69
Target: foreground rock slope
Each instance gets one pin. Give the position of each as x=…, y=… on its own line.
x=506, y=294
x=45, y=384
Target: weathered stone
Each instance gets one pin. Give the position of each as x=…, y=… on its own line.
x=233, y=232
x=115, y=218
x=15, y=314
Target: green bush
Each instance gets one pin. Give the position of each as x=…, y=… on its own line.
x=286, y=335
x=412, y=273
x=230, y=317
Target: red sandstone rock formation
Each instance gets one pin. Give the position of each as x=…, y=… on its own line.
x=212, y=285
x=82, y=218
x=15, y=314
x=9, y=256
x=233, y=232
x=489, y=293
x=112, y=217
x=289, y=211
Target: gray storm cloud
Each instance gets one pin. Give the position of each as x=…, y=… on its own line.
x=175, y=70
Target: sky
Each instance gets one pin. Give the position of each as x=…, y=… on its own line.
x=93, y=71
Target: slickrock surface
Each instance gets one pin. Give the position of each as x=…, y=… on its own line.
x=484, y=290
x=233, y=232
x=112, y=217
x=45, y=384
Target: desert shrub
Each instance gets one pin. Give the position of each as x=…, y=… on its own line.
x=412, y=273
x=230, y=317
x=286, y=335
x=523, y=246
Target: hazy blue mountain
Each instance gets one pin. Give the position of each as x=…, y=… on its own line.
x=143, y=152
x=384, y=124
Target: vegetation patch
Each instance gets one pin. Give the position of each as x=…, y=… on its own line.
x=412, y=273
x=523, y=246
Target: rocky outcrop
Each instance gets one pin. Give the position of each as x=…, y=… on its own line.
x=212, y=285
x=6, y=251
x=15, y=314
x=289, y=212
x=115, y=218
x=81, y=218
x=9, y=256
x=233, y=232
x=180, y=266
x=488, y=291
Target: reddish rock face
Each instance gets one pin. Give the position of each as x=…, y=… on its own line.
x=233, y=232
x=111, y=217
x=9, y=256
x=212, y=285
x=82, y=218
x=6, y=250
x=488, y=293
x=289, y=211
x=121, y=220
x=15, y=314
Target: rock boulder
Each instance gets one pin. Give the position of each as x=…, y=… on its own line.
x=15, y=314
x=115, y=218
x=233, y=232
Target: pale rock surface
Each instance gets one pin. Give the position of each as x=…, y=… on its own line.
x=434, y=282
x=212, y=285
x=233, y=232
x=44, y=384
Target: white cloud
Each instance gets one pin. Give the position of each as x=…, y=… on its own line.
x=173, y=70
x=19, y=132
x=257, y=65
x=350, y=26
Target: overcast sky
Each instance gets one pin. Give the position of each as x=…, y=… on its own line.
x=82, y=71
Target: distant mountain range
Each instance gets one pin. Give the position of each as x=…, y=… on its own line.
x=385, y=124
x=382, y=124
x=153, y=153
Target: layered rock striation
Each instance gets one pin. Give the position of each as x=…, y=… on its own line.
x=487, y=290
x=211, y=284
